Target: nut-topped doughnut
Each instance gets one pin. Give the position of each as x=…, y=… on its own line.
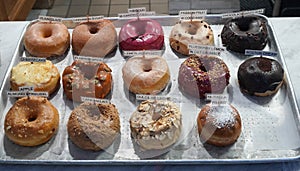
x=260, y=76
x=219, y=125
x=242, y=33
x=199, y=75
x=156, y=124
x=87, y=79
x=190, y=32
x=94, y=126
x=31, y=121
x=94, y=38
x=47, y=39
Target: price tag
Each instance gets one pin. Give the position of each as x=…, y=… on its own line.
x=88, y=58
x=192, y=14
x=218, y=99
x=205, y=50
x=32, y=59
x=26, y=93
x=136, y=12
x=88, y=18
x=143, y=53
x=94, y=100
x=155, y=97
x=243, y=13
x=50, y=18
x=260, y=53
x=26, y=88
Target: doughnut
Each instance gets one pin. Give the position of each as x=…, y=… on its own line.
x=248, y=32
x=199, y=75
x=156, y=124
x=190, y=32
x=47, y=39
x=260, y=76
x=141, y=34
x=219, y=125
x=94, y=126
x=146, y=75
x=31, y=121
x=94, y=38
x=43, y=76
x=86, y=79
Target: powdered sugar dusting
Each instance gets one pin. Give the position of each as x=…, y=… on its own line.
x=221, y=116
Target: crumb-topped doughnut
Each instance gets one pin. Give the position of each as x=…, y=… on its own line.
x=219, y=125
x=94, y=38
x=199, y=75
x=242, y=33
x=156, y=124
x=43, y=76
x=94, y=126
x=190, y=32
x=146, y=75
x=47, y=39
x=260, y=76
x=141, y=34
x=87, y=79
x=31, y=121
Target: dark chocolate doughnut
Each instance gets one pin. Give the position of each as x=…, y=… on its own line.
x=260, y=76
x=199, y=75
x=245, y=33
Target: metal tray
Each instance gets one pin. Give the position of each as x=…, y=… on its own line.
x=270, y=125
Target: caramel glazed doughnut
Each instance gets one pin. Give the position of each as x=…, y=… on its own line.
x=199, y=75
x=87, y=79
x=31, y=121
x=47, y=39
x=260, y=76
x=94, y=126
x=219, y=125
x=146, y=75
x=190, y=32
x=156, y=124
x=43, y=76
x=94, y=38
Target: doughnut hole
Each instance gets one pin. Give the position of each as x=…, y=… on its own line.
x=265, y=65
x=31, y=117
x=47, y=33
x=192, y=29
x=243, y=23
x=93, y=29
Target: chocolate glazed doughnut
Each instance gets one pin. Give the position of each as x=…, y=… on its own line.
x=260, y=76
x=199, y=75
x=87, y=79
x=245, y=33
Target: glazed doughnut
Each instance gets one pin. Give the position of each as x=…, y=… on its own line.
x=43, y=76
x=86, y=79
x=94, y=38
x=47, y=39
x=199, y=75
x=141, y=34
x=94, y=126
x=156, y=124
x=219, y=125
x=248, y=32
x=146, y=75
x=260, y=76
x=190, y=32
x=31, y=121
